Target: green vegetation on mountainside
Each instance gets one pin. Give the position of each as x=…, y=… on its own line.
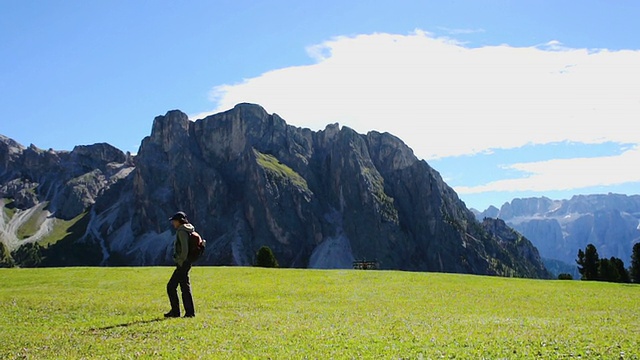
x=62, y=229
x=57, y=248
x=62, y=247
x=32, y=224
x=384, y=202
x=264, y=313
x=281, y=171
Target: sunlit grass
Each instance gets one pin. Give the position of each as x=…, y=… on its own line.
x=293, y=314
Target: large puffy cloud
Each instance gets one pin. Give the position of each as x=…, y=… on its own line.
x=446, y=99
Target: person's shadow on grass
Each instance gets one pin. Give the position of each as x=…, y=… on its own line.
x=131, y=323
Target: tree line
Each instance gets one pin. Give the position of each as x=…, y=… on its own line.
x=592, y=267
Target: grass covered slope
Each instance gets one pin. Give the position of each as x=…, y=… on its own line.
x=291, y=314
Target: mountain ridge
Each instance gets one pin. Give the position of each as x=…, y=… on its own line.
x=247, y=179
x=559, y=228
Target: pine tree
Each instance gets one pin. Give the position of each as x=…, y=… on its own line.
x=623, y=274
x=588, y=262
x=607, y=271
x=265, y=258
x=634, y=272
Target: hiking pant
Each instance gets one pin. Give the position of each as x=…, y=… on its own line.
x=181, y=277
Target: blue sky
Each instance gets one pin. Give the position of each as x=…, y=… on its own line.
x=505, y=99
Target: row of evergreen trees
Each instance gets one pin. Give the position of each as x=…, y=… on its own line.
x=591, y=267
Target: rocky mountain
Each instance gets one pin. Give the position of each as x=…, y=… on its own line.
x=318, y=199
x=559, y=228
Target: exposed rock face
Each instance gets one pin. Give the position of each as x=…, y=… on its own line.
x=559, y=228
x=41, y=186
x=69, y=181
x=317, y=199
x=514, y=241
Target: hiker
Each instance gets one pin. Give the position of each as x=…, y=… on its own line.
x=183, y=265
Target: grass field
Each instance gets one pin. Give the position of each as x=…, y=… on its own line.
x=254, y=313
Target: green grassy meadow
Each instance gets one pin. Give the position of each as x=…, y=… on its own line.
x=255, y=313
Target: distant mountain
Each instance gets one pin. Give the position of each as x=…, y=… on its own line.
x=559, y=228
x=318, y=199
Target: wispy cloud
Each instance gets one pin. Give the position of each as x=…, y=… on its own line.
x=444, y=99
x=565, y=174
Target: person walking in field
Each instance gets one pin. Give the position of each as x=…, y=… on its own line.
x=183, y=265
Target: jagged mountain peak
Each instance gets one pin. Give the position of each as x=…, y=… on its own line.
x=520, y=206
x=10, y=144
x=98, y=155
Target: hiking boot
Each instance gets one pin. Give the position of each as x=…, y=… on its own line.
x=189, y=315
x=172, y=314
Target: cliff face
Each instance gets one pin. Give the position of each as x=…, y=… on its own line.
x=316, y=198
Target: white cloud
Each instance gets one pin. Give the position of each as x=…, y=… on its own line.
x=566, y=174
x=444, y=99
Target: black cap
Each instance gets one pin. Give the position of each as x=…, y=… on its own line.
x=178, y=216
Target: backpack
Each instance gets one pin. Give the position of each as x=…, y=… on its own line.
x=196, y=246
